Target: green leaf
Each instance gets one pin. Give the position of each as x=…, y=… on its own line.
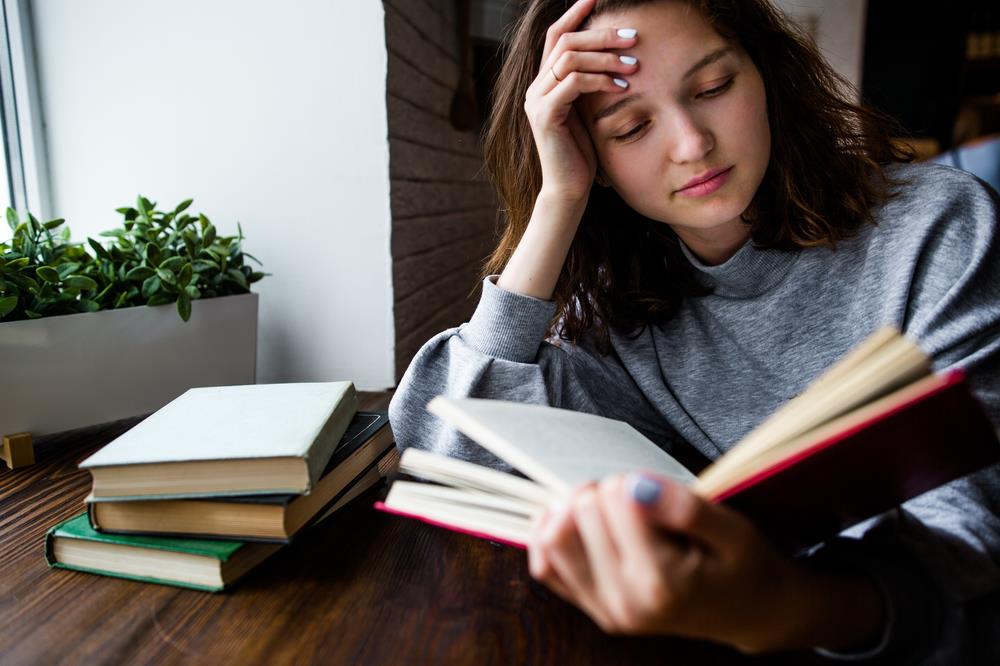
x=159, y=299
x=7, y=303
x=184, y=305
x=48, y=274
x=166, y=276
x=238, y=277
x=182, y=206
x=209, y=236
x=32, y=314
x=52, y=224
x=65, y=270
x=150, y=287
x=205, y=265
x=192, y=291
x=153, y=254
x=80, y=282
x=88, y=305
x=172, y=264
x=140, y=273
x=184, y=277
x=12, y=220
x=99, y=250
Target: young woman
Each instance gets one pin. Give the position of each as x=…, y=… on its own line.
x=698, y=222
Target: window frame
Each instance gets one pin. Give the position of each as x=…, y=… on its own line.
x=25, y=165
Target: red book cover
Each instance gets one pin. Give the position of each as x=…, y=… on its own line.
x=934, y=438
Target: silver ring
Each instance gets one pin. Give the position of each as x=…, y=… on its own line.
x=553, y=72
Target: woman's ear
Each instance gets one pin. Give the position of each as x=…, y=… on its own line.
x=601, y=178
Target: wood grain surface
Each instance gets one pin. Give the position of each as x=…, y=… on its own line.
x=361, y=588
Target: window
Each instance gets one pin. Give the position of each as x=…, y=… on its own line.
x=23, y=172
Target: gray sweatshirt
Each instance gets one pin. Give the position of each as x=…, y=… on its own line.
x=930, y=266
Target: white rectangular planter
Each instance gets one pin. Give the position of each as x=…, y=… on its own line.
x=60, y=373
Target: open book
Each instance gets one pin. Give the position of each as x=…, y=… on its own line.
x=875, y=430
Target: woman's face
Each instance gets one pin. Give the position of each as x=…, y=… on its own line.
x=695, y=106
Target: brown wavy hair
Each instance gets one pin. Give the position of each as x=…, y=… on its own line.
x=825, y=175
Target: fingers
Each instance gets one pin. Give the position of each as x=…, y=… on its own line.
x=600, y=549
x=568, y=22
x=583, y=52
x=556, y=557
x=576, y=84
x=589, y=61
x=605, y=39
x=636, y=537
x=675, y=508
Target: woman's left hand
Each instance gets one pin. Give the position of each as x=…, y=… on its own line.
x=641, y=554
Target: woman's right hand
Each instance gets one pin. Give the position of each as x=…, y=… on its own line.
x=573, y=63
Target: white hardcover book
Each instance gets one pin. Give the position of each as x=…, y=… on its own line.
x=228, y=440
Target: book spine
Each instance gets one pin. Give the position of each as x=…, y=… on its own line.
x=322, y=451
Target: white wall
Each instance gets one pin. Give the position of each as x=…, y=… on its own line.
x=268, y=113
x=840, y=31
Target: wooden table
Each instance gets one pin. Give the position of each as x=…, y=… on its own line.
x=363, y=587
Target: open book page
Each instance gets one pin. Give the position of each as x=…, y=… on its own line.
x=558, y=448
x=465, y=475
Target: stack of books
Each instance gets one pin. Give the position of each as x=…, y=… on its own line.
x=212, y=484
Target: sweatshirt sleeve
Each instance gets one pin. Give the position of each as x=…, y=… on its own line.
x=502, y=353
x=936, y=560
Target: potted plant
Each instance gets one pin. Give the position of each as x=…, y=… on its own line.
x=91, y=333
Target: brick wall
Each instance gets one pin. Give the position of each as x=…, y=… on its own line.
x=443, y=209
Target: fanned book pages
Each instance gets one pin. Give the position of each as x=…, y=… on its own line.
x=873, y=431
x=365, y=454
x=228, y=440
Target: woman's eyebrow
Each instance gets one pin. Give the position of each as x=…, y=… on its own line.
x=615, y=107
x=708, y=60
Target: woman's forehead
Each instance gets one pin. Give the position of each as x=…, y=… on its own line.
x=667, y=18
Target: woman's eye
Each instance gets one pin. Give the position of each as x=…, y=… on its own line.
x=715, y=92
x=632, y=132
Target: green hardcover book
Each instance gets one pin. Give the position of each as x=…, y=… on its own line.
x=200, y=564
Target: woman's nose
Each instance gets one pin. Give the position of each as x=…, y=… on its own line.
x=690, y=142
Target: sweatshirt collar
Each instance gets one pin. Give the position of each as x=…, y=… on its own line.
x=750, y=272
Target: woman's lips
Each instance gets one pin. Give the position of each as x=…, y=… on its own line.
x=706, y=187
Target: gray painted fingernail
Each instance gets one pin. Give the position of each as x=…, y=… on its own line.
x=628, y=60
x=627, y=33
x=621, y=83
x=645, y=490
